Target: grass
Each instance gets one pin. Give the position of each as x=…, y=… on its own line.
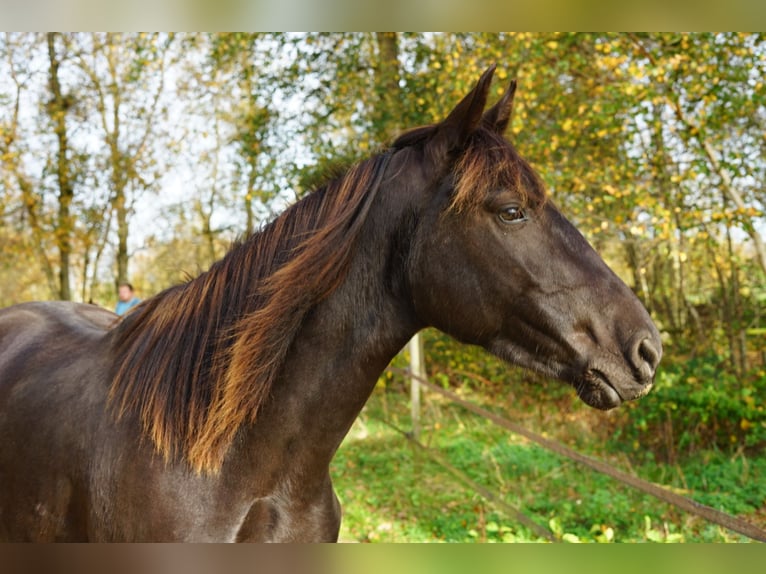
x=392, y=492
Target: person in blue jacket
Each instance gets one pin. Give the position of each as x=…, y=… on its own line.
x=127, y=298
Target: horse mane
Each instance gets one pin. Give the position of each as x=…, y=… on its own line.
x=199, y=359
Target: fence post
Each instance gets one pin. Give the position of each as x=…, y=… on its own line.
x=418, y=370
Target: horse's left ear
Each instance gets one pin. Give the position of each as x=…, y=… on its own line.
x=498, y=116
x=452, y=133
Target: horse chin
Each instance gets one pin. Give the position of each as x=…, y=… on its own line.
x=595, y=390
x=601, y=385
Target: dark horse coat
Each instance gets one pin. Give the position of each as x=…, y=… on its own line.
x=212, y=411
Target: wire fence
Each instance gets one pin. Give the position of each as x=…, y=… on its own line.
x=662, y=493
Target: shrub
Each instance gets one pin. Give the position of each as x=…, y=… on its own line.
x=697, y=405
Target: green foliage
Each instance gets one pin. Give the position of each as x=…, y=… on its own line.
x=392, y=492
x=652, y=143
x=697, y=405
x=700, y=432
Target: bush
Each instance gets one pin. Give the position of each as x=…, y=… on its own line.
x=697, y=405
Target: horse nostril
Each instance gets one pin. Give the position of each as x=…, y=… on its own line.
x=646, y=357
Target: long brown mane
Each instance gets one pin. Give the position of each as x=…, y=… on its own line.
x=199, y=359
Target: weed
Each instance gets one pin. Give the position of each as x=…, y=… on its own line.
x=392, y=493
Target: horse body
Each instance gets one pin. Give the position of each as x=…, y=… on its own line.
x=112, y=485
x=76, y=477
x=213, y=410
x=38, y=449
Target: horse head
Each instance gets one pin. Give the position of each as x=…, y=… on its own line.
x=495, y=263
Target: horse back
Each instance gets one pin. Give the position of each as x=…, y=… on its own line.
x=52, y=379
x=30, y=331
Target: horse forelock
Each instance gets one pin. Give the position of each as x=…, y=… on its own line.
x=197, y=361
x=487, y=162
x=490, y=162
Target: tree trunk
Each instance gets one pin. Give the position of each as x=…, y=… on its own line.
x=735, y=328
x=733, y=194
x=57, y=111
x=675, y=297
x=31, y=206
x=121, y=215
x=205, y=214
x=637, y=266
x=250, y=214
x=387, y=83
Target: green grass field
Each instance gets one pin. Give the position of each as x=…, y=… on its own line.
x=391, y=491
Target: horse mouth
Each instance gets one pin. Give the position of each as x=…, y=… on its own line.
x=596, y=390
x=600, y=383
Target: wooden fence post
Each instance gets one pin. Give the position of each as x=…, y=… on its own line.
x=418, y=370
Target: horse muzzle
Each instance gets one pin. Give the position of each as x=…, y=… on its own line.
x=608, y=381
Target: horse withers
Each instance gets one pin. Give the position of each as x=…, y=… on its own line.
x=212, y=411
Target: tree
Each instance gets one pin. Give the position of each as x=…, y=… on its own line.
x=713, y=103
x=31, y=171
x=57, y=108
x=18, y=181
x=652, y=143
x=125, y=77
x=243, y=61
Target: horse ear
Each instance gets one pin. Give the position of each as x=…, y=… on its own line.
x=498, y=116
x=452, y=133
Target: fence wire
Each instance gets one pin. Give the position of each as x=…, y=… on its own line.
x=520, y=517
x=710, y=514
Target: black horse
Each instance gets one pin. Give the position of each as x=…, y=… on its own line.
x=212, y=411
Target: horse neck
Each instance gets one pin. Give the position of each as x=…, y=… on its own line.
x=346, y=341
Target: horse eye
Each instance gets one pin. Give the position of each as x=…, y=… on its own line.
x=512, y=214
